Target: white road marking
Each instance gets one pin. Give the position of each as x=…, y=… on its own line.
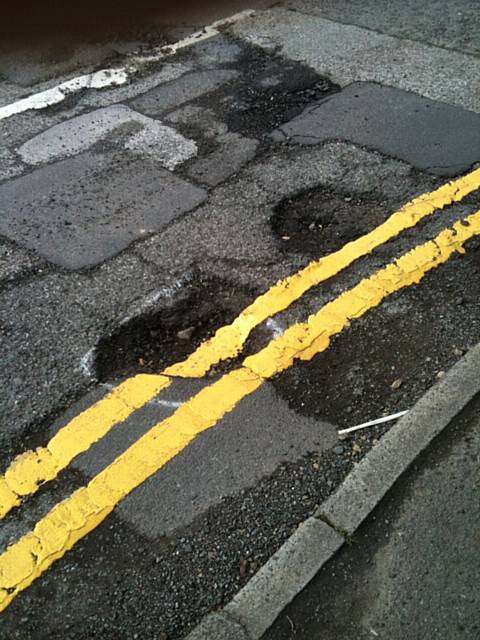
x=275, y=328
x=55, y=95
x=171, y=404
x=205, y=34
x=117, y=76
x=86, y=365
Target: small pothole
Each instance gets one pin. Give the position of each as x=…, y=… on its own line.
x=322, y=220
x=153, y=340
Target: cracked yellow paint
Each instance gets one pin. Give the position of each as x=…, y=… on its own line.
x=72, y=519
x=229, y=340
x=33, y=468
x=302, y=341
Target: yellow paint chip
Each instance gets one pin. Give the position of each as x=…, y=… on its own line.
x=8, y=498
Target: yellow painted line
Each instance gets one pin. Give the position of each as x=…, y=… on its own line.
x=229, y=340
x=70, y=520
x=29, y=471
x=33, y=468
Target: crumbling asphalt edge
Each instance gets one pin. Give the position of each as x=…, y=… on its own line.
x=255, y=607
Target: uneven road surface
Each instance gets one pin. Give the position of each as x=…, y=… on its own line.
x=214, y=256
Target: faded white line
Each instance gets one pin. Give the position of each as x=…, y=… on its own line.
x=276, y=329
x=55, y=95
x=170, y=404
x=117, y=76
x=87, y=363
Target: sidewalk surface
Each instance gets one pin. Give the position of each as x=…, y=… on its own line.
x=413, y=568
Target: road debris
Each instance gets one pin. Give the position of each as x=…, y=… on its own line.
x=372, y=423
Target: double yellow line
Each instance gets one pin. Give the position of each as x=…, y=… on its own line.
x=72, y=519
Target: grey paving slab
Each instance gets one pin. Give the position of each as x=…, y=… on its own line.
x=83, y=210
x=429, y=135
x=349, y=53
x=24, y=126
x=188, y=87
x=454, y=24
x=136, y=86
x=203, y=118
x=234, y=152
x=133, y=130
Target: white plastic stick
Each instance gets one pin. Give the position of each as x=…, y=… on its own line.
x=372, y=423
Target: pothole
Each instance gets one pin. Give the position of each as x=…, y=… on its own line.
x=322, y=220
x=153, y=340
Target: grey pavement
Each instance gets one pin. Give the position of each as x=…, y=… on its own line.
x=453, y=25
x=347, y=53
x=411, y=570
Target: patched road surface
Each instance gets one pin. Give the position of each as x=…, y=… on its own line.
x=213, y=257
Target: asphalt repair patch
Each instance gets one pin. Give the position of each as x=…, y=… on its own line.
x=269, y=90
x=117, y=584
x=433, y=136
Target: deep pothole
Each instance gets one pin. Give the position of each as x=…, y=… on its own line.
x=152, y=340
x=322, y=220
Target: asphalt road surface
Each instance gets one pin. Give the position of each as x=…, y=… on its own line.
x=150, y=197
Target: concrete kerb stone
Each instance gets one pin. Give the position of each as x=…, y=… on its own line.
x=297, y=561
x=255, y=607
x=217, y=626
x=290, y=569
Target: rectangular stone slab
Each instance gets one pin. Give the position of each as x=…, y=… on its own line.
x=81, y=211
x=433, y=136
